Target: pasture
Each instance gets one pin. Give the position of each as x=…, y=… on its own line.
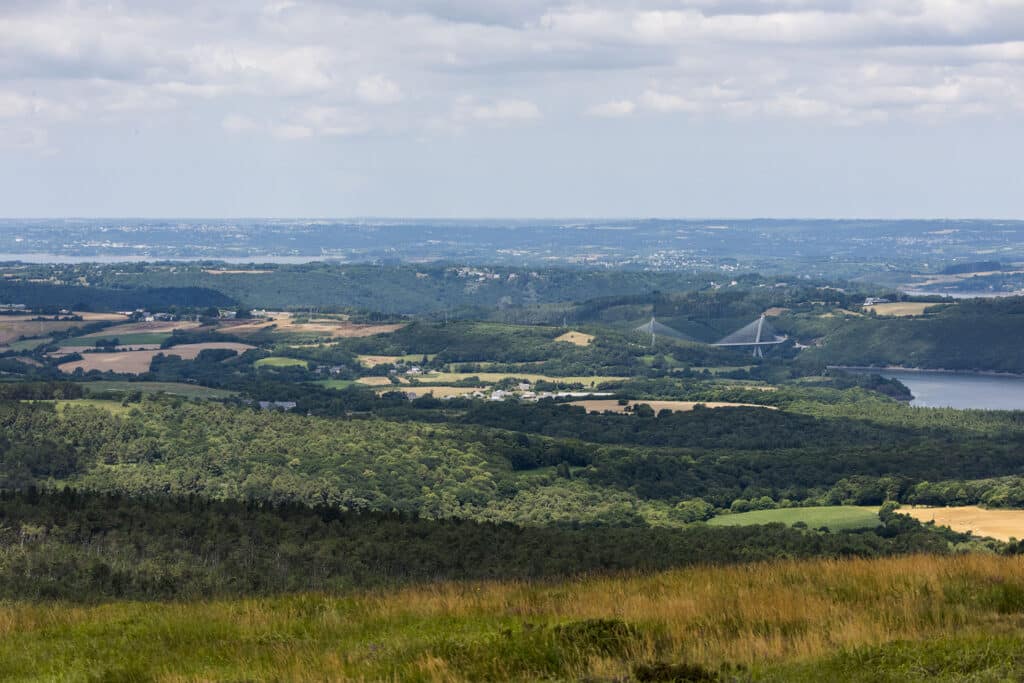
x=915, y=618
x=138, y=362
x=173, y=388
x=996, y=523
x=134, y=334
x=835, y=517
x=280, y=362
x=900, y=309
x=611, y=405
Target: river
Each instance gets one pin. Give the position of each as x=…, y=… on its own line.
x=959, y=389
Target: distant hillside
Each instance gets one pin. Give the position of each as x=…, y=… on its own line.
x=42, y=295
x=980, y=334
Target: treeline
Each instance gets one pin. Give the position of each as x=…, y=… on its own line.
x=83, y=547
x=49, y=296
x=504, y=462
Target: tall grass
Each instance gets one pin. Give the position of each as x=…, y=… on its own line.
x=917, y=617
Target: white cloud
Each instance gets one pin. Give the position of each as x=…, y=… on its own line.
x=378, y=90
x=667, y=102
x=303, y=68
x=502, y=110
x=613, y=109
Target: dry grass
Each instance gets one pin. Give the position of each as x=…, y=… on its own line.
x=900, y=309
x=600, y=406
x=786, y=613
x=775, y=311
x=138, y=362
x=996, y=523
x=577, y=338
x=376, y=381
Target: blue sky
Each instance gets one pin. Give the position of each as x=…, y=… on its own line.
x=854, y=108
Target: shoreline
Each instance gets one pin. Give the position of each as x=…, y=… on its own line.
x=923, y=371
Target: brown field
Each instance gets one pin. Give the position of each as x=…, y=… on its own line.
x=900, y=309
x=15, y=327
x=143, y=328
x=601, y=405
x=1001, y=524
x=377, y=381
x=138, y=362
x=328, y=327
x=775, y=311
x=577, y=338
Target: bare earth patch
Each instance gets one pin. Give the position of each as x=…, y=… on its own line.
x=577, y=338
x=601, y=405
x=138, y=362
x=775, y=311
x=1000, y=524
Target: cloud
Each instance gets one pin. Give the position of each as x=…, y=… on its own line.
x=612, y=109
x=667, y=102
x=499, y=111
x=378, y=90
x=305, y=68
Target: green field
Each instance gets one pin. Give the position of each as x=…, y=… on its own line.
x=335, y=383
x=835, y=517
x=130, y=339
x=280, y=362
x=173, y=388
x=29, y=344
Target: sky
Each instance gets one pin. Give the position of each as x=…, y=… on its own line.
x=531, y=108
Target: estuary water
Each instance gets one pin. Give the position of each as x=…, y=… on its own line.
x=959, y=390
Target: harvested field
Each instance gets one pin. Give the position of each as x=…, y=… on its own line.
x=284, y=323
x=577, y=338
x=14, y=327
x=371, y=360
x=138, y=362
x=374, y=381
x=280, y=362
x=900, y=309
x=775, y=311
x=602, y=405
x=997, y=523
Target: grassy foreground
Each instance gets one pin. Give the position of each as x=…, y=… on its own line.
x=912, y=618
